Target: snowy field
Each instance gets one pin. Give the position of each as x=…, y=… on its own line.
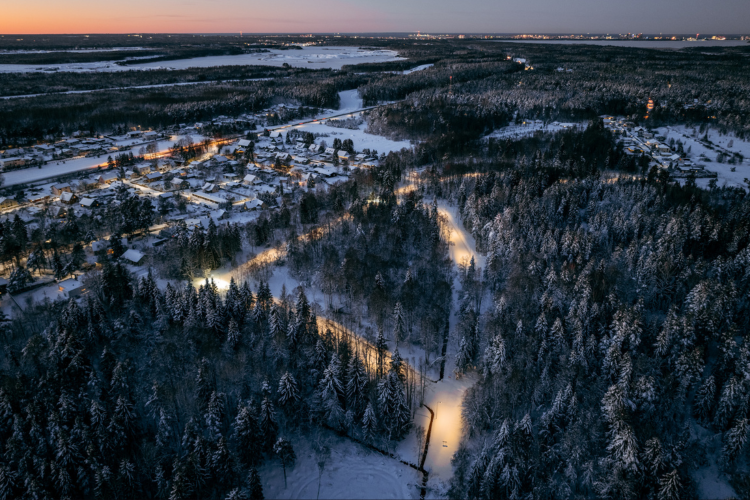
x=418, y=68
x=641, y=44
x=691, y=138
x=530, y=127
x=350, y=102
x=353, y=471
x=308, y=57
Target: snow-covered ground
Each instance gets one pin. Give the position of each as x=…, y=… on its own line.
x=446, y=397
x=530, y=127
x=462, y=244
x=352, y=471
x=309, y=57
x=418, y=68
x=692, y=139
x=350, y=102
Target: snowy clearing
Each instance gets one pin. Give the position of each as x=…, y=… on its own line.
x=353, y=471
x=702, y=154
x=307, y=57
x=530, y=127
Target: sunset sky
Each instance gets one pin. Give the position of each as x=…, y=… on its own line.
x=305, y=16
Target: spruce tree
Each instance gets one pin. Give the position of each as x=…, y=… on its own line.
x=329, y=390
x=398, y=323
x=283, y=449
x=381, y=348
x=254, y=486
x=233, y=334
x=356, y=385
x=369, y=424
x=288, y=391
x=267, y=422
x=393, y=407
x=247, y=431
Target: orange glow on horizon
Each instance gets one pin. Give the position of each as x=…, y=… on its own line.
x=35, y=17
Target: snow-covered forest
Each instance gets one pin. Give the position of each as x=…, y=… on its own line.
x=588, y=319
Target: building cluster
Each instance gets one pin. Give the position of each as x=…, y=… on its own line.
x=234, y=180
x=76, y=146
x=638, y=141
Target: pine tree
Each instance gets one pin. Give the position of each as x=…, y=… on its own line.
x=267, y=422
x=704, y=399
x=495, y=355
x=275, y=327
x=398, y=322
x=381, y=348
x=214, y=414
x=283, y=449
x=397, y=364
x=247, y=431
x=463, y=356
x=670, y=486
x=393, y=407
x=735, y=439
x=320, y=357
x=288, y=391
x=356, y=385
x=369, y=424
x=254, y=486
x=329, y=390
x=233, y=334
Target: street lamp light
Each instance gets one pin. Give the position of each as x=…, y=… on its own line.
x=436, y=409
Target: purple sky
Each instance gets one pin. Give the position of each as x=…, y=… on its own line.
x=438, y=16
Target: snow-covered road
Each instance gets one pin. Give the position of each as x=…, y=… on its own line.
x=446, y=397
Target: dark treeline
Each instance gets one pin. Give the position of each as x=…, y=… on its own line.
x=613, y=351
x=40, y=83
x=31, y=119
x=73, y=57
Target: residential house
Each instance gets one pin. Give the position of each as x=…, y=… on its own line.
x=71, y=288
x=68, y=198
x=107, y=177
x=59, y=189
x=142, y=168
x=57, y=211
x=153, y=177
x=255, y=204
x=132, y=256
x=89, y=203
x=7, y=202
